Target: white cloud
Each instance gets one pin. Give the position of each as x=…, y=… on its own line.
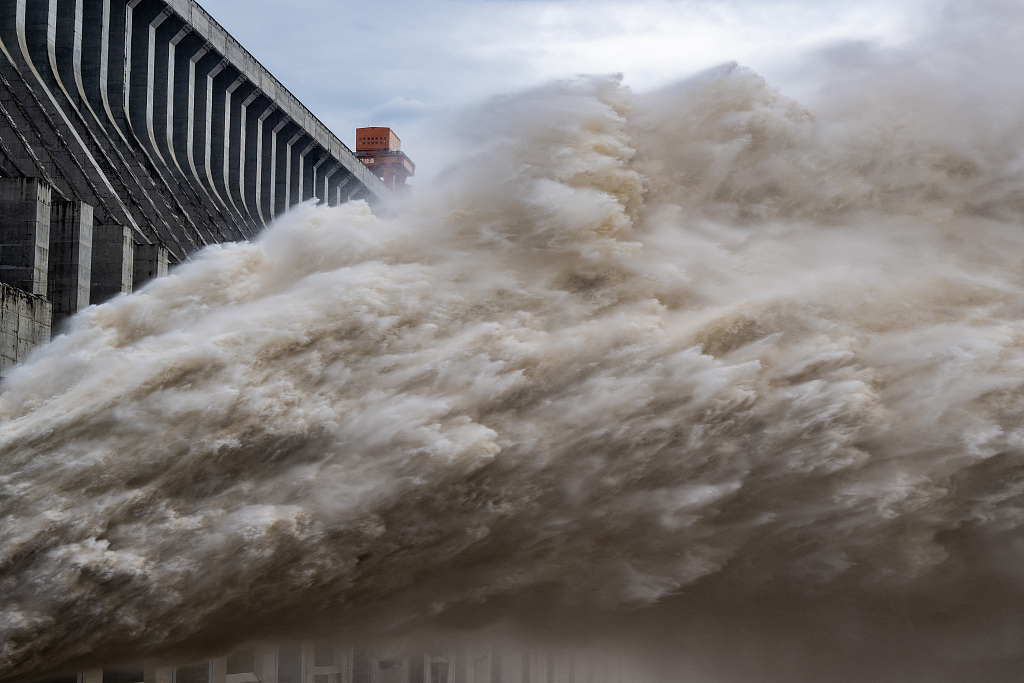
x=399, y=109
x=403, y=61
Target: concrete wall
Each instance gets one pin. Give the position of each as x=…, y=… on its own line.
x=47, y=249
x=69, y=271
x=24, y=324
x=150, y=261
x=25, y=205
x=113, y=262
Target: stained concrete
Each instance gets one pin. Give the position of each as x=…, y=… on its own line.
x=150, y=261
x=113, y=262
x=24, y=324
x=25, y=233
x=70, y=258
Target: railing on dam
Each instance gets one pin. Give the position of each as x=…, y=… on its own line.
x=134, y=132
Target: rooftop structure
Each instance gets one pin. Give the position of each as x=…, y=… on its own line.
x=381, y=151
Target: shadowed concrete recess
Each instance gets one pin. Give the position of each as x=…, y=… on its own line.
x=135, y=132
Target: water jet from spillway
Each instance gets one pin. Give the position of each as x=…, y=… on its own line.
x=732, y=380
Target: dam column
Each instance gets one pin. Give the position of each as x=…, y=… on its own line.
x=249, y=161
x=70, y=258
x=224, y=164
x=113, y=262
x=305, y=182
x=265, y=666
x=158, y=674
x=344, y=190
x=90, y=676
x=282, y=132
x=299, y=150
x=317, y=184
x=266, y=123
x=25, y=233
x=24, y=261
x=111, y=67
x=290, y=175
x=151, y=260
x=181, y=118
x=144, y=19
x=95, y=57
x=327, y=196
x=203, y=74
x=66, y=34
x=218, y=670
x=186, y=49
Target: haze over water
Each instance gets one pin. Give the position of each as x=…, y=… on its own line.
x=732, y=381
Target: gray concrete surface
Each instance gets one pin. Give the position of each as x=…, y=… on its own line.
x=24, y=324
x=133, y=133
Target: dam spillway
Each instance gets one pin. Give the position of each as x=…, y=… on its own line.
x=132, y=134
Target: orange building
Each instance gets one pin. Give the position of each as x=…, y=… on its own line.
x=381, y=151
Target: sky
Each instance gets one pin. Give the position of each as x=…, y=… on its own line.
x=412, y=64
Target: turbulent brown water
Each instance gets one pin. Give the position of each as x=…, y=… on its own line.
x=734, y=382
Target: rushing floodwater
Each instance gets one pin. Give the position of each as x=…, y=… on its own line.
x=734, y=382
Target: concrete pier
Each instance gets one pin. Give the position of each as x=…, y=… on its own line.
x=113, y=262
x=25, y=205
x=150, y=261
x=24, y=324
x=69, y=275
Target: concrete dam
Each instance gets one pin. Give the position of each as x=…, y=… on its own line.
x=132, y=134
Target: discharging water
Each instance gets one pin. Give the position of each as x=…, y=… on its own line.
x=731, y=381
